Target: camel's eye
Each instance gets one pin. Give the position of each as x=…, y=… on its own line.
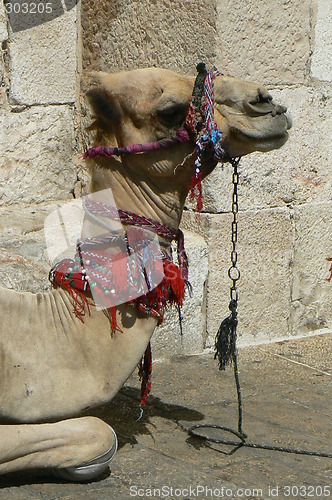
x=228, y=102
x=173, y=114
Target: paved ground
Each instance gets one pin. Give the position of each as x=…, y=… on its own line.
x=287, y=402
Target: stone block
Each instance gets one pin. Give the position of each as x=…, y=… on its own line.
x=3, y=23
x=37, y=155
x=43, y=62
x=311, y=293
x=265, y=41
x=3, y=38
x=24, y=264
x=167, y=340
x=321, y=63
x=265, y=246
x=299, y=172
x=163, y=33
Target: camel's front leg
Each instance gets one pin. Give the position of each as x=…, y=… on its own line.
x=74, y=449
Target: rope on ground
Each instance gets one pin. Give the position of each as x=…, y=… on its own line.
x=226, y=351
x=243, y=443
x=241, y=435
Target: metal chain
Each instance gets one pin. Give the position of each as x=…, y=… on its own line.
x=234, y=272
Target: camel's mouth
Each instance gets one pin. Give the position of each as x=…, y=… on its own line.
x=260, y=142
x=272, y=135
x=273, y=142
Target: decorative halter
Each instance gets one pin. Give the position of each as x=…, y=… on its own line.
x=199, y=126
x=200, y=123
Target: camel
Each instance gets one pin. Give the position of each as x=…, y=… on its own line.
x=54, y=364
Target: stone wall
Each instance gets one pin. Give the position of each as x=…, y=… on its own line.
x=285, y=220
x=285, y=195
x=39, y=75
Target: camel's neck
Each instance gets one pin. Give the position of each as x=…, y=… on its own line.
x=161, y=199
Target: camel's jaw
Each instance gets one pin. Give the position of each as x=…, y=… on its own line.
x=267, y=134
x=263, y=144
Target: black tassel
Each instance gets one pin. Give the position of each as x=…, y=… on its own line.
x=180, y=320
x=225, y=342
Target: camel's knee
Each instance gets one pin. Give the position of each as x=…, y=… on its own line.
x=85, y=438
x=99, y=437
x=78, y=442
x=95, y=433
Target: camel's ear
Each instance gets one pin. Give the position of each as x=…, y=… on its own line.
x=106, y=110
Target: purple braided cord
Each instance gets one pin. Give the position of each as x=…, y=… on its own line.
x=182, y=135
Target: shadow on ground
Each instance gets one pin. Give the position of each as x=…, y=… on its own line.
x=121, y=413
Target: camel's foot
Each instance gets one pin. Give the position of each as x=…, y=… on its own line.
x=77, y=449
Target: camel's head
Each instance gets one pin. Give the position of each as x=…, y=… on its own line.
x=146, y=105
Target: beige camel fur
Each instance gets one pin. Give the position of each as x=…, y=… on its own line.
x=52, y=365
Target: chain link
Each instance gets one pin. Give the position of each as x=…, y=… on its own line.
x=234, y=272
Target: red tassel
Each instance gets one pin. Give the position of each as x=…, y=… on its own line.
x=329, y=259
x=175, y=280
x=196, y=189
x=145, y=371
x=80, y=301
x=58, y=278
x=113, y=319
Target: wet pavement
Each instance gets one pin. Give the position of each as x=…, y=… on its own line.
x=286, y=390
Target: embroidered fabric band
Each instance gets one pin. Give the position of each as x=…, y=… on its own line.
x=131, y=219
